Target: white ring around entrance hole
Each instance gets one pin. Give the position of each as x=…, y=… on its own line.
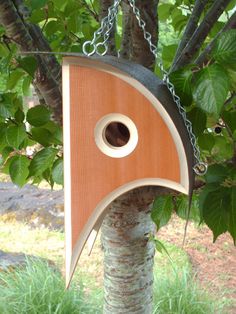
x=105, y=146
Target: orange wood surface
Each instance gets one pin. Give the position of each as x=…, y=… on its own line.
x=93, y=94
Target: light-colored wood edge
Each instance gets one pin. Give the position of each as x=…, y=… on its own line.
x=67, y=167
x=99, y=212
x=96, y=219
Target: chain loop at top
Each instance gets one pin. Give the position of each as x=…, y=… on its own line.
x=104, y=31
x=107, y=24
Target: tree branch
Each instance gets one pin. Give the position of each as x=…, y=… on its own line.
x=126, y=42
x=44, y=81
x=229, y=100
x=204, y=56
x=191, y=26
x=39, y=40
x=104, y=5
x=42, y=45
x=140, y=50
x=201, y=33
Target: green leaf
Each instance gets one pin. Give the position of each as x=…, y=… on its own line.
x=182, y=207
x=198, y=119
x=56, y=132
x=4, y=111
x=231, y=5
x=42, y=160
x=216, y=173
x=37, y=180
x=217, y=27
x=47, y=175
x=37, y=4
x=215, y=213
x=161, y=210
x=6, y=152
x=26, y=85
x=232, y=217
x=18, y=170
x=15, y=135
x=54, y=26
x=203, y=194
x=225, y=49
x=168, y=52
x=10, y=102
x=160, y=247
x=14, y=78
x=57, y=171
x=60, y=4
x=38, y=115
x=211, y=88
x=4, y=52
x=37, y=16
x=182, y=82
x=5, y=168
x=178, y=19
x=232, y=75
x=42, y=136
x=19, y=116
x=57, y=137
x=164, y=11
x=3, y=142
x=206, y=142
x=29, y=64
x=229, y=118
x=73, y=23
x=222, y=150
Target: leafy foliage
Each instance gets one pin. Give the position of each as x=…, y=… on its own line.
x=42, y=161
x=38, y=116
x=211, y=88
x=18, y=169
x=15, y=139
x=162, y=210
x=208, y=92
x=224, y=51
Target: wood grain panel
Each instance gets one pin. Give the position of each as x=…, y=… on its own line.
x=94, y=94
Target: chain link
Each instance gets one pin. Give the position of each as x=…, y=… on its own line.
x=107, y=23
x=104, y=31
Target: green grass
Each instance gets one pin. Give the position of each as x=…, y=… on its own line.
x=40, y=289
x=176, y=288
x=178, y=292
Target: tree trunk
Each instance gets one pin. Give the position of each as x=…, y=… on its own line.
x=128, y=253
x=46, y=81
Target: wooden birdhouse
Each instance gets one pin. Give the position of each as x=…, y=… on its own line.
x=122, y=130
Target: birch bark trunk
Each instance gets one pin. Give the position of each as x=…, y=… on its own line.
x=128, y=254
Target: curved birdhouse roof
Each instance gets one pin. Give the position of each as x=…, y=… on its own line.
x=122, y=130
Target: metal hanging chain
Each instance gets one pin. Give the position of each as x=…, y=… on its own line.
x=107, y=23
x=104, y=31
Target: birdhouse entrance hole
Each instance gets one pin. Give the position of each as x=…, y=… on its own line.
x=116, y=135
